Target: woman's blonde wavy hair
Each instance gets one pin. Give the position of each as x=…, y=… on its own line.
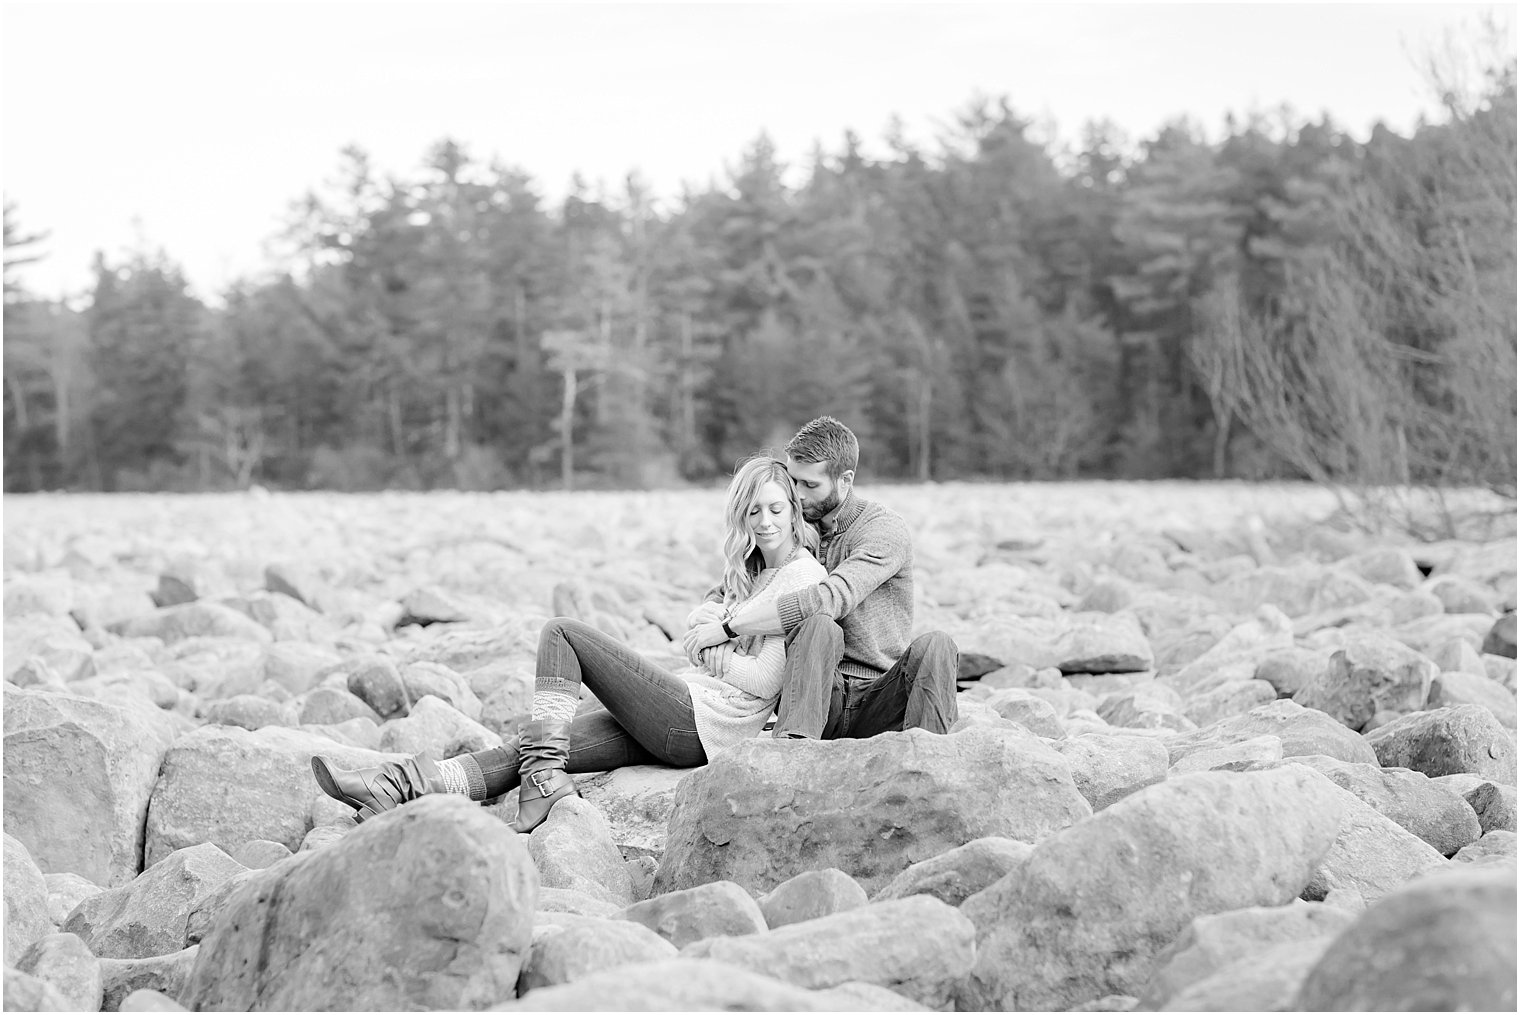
x=742, y=559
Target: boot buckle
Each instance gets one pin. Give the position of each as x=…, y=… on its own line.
x=542, y=781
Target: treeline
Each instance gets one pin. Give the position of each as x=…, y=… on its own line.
x=1286, y=302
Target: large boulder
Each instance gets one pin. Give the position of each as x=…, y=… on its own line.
x=193, y=620
x=449, y=929
x=957, y=874
x=78, y=777
x=150, y=914
x=64, y=961
x=1106, y=768
x=1236, y=655
x=1301, y=730
x=26, y=992
x=710, y=910
x=1089, y=911
x=1265, y=980
x=767, y=810
x=573, y=848
x=1415, y=801
x=161, y=974
x=1445, y=741
x=436, y=728
x=1459, y=688
x=1367, y=676
x=1445, y=942
x=680, y=984
x=810, y=895
x=423, y=678
x=564, y=954
x=1103, y=643
x=636, y=802
x=26, y=899
x=1372, y=855
x=1216, y=941
x=918, y=947
x=229, y=786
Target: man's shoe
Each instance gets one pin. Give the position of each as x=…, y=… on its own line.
x=382, y=788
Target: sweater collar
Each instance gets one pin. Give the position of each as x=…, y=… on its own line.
x=843, y=515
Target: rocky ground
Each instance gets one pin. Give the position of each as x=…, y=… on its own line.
x=1215, y=753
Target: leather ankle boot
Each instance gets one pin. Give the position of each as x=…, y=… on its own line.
x=545, y=751
x=372, y=790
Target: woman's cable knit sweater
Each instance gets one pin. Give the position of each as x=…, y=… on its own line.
x=735, y=708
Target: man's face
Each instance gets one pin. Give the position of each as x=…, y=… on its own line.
x=818, y=493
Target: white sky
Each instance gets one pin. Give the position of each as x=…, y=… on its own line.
x=192, y=127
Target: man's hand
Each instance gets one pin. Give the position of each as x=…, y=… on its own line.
x=703, y=636
x=707, y=613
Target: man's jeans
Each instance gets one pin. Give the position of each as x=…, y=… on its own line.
x=646, y=716
x=819, y=702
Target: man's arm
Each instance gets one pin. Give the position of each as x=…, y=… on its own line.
x=882, y=551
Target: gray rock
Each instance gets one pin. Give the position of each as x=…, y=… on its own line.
x=1415, y=801
x=78, y=775
x=250, y=711
x=64, y=892
x=150, y=1000
x=636, y=801
x=1449, y=689
x=256, y=854
x=641, y=872
x=710, y=910
x=1496, y=845
x=566, y=954
x=1087, y=914
x=1495, y=806
x=856, y=996
x=192, y=620
x=1241, y=756
x=568, y=900
x=1103, y=643
x=573, y=848
x=54, y=642
x=1442, y=943
x=918, y=947
x=163, y=974
x=227, y=786
x=377, y=682
x=679, y=984
x=1372, y=855
x=1464, y=738
x=1106, y=768
x=767, y=810
x=1301, y=730
x=25, y=992
x=1268, y=981
x=451, y=929
x=148, y=916
x=26, y=899
x=1386, y=565
x=1152, y=707
x=1216, y=941
x=1460, y=595
x=1500, y=640
x=334, y=705
x=1369, y=675
x=64, y=961
x=207, y=908
x=1457, y=655
x=298, y=665
x=297, y=581
x=1296, y=591
x=1028, y=710
x=1291, y=669
x=1234, y=697
x=810, y=895
x=957, y=874
x=422, y=678
x=435, y=727
x=284, y=617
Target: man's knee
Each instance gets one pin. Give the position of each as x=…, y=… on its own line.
x=935, y=652
x=817, y=630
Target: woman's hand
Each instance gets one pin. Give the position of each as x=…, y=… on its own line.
x=716, y=658
x=707, y=613
x=703, y=636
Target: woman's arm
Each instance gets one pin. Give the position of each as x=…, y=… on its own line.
x=761, y=674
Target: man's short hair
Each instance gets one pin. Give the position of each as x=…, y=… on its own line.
x=826, y=439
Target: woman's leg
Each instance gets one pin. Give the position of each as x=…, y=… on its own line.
x=598, y=743
x=652, y=706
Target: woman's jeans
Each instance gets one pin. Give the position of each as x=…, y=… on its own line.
x=646, y=716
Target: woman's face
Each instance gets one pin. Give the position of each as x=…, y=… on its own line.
x=769, y=518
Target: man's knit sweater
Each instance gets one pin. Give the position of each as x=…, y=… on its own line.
x=869, y=590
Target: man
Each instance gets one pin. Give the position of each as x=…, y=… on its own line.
x=850, y=671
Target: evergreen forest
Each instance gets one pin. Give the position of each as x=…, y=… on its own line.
x=1282, y=302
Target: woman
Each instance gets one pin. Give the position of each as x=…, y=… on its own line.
x=649, y=716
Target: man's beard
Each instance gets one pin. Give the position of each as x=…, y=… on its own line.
x=815, y=513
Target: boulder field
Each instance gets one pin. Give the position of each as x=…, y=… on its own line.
x=1216, y=750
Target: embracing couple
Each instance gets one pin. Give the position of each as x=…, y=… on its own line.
x=811, y=621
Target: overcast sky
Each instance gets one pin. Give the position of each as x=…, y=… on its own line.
x=192, y=127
